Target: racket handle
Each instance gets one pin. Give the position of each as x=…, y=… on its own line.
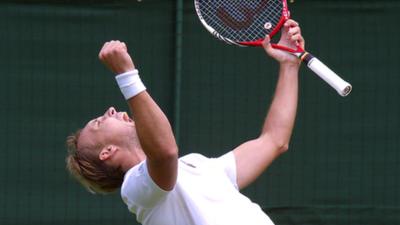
x=330, y=77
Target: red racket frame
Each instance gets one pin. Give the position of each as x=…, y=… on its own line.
x=285, y=16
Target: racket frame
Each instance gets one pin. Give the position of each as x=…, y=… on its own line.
x=342, y=87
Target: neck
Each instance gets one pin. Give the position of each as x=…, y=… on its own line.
x=132, y=158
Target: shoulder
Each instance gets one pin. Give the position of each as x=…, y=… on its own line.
x=197, y=159
x=225, y=164
x=194, y=159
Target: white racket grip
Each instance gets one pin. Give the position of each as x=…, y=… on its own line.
x=330, y=77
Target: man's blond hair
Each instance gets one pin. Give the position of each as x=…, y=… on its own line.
x=85, y=165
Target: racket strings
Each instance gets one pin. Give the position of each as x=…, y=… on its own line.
x=241, y=20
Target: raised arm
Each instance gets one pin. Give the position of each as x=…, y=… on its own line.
x=254, y=156
x=152, y=126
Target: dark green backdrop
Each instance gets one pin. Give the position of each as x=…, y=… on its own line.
x=343, y=166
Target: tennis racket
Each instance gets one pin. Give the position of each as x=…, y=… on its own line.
x=247, y=22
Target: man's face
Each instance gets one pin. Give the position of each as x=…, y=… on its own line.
x=111, y=128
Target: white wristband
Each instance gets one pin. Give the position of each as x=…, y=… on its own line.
x=130, y=83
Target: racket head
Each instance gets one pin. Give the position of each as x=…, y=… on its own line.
x=242, y=22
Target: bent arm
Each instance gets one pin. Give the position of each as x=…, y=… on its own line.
x=254, y=156
x=152, y=126
x=157, y=140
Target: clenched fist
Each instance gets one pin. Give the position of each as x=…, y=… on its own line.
x=114, y=54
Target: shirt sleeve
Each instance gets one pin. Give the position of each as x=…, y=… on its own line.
x=228, y=164
x=139, y=190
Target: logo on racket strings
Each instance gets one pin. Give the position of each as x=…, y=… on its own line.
x=248, y=13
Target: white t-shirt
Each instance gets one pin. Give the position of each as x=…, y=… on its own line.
x=206, y=193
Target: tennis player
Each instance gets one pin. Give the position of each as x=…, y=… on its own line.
x=140, y=156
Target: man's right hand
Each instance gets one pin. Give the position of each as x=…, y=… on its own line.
x=290, y=37
x=114, y=54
